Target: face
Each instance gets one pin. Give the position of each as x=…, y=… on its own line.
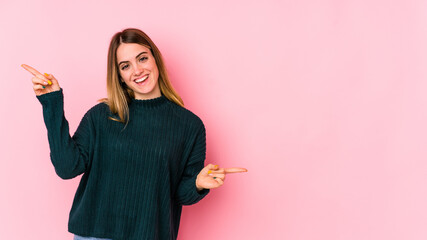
x=138, y=70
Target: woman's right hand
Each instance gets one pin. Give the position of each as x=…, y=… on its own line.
x=42, y=84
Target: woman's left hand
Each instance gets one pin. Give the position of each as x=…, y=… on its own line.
x=212, y=176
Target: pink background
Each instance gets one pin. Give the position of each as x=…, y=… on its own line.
x=323, y=101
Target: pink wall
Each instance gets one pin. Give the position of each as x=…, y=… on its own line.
x=323, y=101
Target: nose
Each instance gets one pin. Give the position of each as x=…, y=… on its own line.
x=138, y=69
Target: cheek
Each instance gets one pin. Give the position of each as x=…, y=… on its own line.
x=155, y=70
x=155, y=75
x=124, y=76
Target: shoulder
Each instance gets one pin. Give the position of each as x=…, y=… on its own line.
x=100, y=107
x=98, y=110
x=186, y=116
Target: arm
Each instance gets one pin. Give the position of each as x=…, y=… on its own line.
x=187, y=192
x=69, y=156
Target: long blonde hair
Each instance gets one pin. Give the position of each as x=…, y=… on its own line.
x=119, y=95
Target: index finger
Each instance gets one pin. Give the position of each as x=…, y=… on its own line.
x=235, y=170
x=32, y=70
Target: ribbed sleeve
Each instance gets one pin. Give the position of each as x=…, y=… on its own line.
x=137, y=176
x=69, y=156
x=187, y=192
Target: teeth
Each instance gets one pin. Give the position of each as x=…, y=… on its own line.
x=141, y=79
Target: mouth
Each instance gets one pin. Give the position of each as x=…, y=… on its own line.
x=141, y=79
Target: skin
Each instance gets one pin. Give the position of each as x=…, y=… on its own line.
x=135, y=62
x=211, y=176
x=41, y=82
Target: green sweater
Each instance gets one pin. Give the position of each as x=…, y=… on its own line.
x=135, y=178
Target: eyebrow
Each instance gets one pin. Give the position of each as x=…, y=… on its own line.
x=137, y=56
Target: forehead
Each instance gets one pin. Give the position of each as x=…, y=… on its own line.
x=128, y=51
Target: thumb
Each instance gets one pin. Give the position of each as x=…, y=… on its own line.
x=52, y=79
x=53, y=83
x=209, y=167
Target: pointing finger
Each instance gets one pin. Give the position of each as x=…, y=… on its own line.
x=31, y=70
x=34, y=72
x=228, y=170
x=235, y=170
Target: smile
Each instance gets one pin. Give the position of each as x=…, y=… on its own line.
x=141, y=79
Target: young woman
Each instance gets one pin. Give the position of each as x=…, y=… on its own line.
x=140, y=151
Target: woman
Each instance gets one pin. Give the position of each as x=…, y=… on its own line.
x=141, y=153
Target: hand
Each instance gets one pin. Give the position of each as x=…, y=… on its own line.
x=212, y=176
x=42, y=84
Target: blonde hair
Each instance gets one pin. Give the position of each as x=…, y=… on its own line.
x=119, y=95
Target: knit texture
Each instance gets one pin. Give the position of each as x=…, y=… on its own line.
x=135, y=178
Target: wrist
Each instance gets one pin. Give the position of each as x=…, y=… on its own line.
x=198, y=187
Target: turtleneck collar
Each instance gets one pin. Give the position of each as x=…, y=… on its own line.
x=149, y=103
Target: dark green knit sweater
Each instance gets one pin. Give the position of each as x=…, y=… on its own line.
x=135, y=179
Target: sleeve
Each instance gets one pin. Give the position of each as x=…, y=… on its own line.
x=69, y=155
x=186, y=193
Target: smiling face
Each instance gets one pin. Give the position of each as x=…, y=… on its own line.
x=138, y=69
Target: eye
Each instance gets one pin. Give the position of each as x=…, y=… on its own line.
x=143, y=59
x=124, y=67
